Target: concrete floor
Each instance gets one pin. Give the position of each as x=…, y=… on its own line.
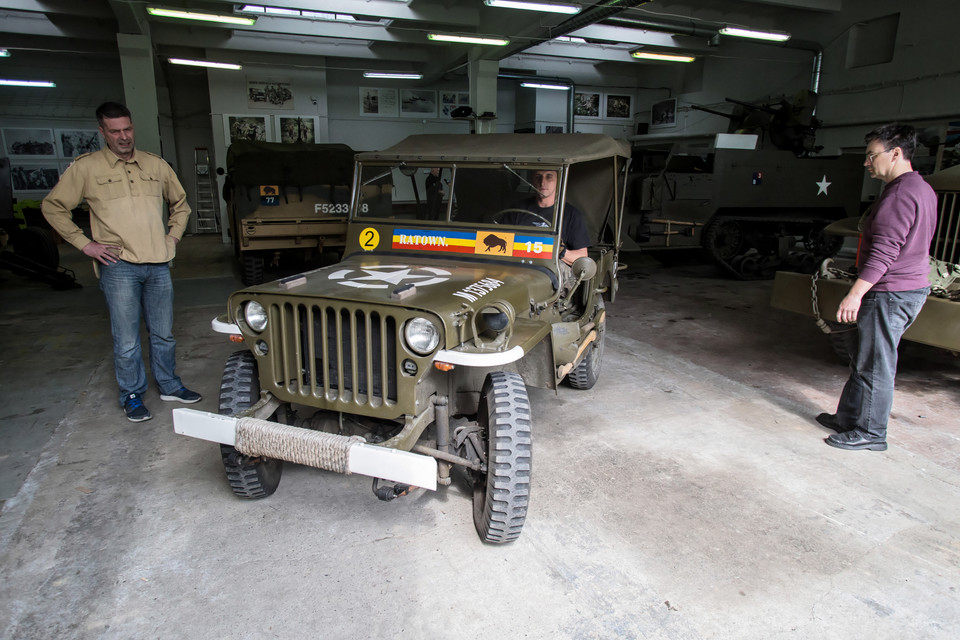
x=689, y=495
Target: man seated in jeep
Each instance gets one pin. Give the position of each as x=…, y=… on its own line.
x=573, y=231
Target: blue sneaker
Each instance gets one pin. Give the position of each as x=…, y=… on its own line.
x=183, y=395
x=134, y=408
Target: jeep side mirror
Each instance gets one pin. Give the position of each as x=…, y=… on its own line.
x=584, y=268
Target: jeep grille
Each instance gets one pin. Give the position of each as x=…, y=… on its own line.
x=336, y=353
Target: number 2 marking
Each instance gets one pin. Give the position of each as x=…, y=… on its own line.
x=369, y=239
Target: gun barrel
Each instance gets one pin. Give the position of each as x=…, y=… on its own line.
x=729, y=116
x=758, y=107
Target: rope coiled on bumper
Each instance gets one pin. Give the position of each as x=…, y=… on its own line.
x=328, y=451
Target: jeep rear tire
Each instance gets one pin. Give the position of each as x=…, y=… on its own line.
x=586, y=374
x=239, y=390
x=500, y=496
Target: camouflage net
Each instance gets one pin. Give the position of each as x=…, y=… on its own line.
x=328, y=451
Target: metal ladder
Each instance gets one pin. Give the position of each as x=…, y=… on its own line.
x=207, y=204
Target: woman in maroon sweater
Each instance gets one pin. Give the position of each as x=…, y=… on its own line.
x=890, y=289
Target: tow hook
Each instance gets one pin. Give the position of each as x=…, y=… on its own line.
x=387, y=493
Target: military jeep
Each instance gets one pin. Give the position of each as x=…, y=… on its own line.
x=409, y=361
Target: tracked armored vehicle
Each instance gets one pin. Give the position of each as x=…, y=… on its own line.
x=937, y=325
x=755, y=199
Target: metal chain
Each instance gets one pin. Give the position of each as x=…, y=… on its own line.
x=826, y=271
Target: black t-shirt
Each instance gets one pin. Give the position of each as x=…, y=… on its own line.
x=573, y=230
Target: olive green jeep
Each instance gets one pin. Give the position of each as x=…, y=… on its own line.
x=409, y=361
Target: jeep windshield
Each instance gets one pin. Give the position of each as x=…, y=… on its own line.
x=472, y=195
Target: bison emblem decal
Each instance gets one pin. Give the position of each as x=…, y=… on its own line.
x=492, y=241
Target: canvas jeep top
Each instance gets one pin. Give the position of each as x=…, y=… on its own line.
x=409, y=360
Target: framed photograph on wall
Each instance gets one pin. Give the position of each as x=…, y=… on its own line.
x=617, y=106
x=244, y=127
x=34, y=176
x=450, y=101
x=550, y=128
x=663, y=114
x=586, y=105
x=950, y=152
x=291, y=129
x=269, y=93
x=378, y=102
x=74, y=142
x=418, y=103
x=29, y=143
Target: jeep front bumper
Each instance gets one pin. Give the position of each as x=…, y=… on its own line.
x=255, y=437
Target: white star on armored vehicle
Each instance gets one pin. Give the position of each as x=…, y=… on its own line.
x=823, y=184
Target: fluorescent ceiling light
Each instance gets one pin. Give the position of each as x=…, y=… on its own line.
x=395, y=76
x=668, y=57
x=544, y=85
x=205, y=63
x=775, y=36
x=26, y=83
x=551, y=7
x=4, y=53
x=443, y=37
x=202, y=17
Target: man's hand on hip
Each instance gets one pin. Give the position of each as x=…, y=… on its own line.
x=102, y=253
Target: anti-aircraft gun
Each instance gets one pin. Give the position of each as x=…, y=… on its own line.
x=756, y=198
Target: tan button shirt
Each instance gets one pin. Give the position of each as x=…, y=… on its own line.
x=126, y=204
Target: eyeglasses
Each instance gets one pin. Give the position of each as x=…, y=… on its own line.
x=871, y=156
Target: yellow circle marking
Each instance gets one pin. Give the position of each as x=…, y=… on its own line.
x=369, y=239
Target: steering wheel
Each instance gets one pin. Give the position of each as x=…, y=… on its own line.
x=498, y=216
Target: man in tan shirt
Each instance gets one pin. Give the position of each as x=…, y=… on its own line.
x=131, y=248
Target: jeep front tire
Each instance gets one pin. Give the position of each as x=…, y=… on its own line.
x=500, y=496
x=239, y=390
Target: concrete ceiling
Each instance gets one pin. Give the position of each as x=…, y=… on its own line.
x=391, y=35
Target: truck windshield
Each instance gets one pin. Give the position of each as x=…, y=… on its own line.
x=459, y=195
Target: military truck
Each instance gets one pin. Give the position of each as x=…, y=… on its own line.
x=286, y=202
x=755, y=199
x=409, y=361
x=938, y=323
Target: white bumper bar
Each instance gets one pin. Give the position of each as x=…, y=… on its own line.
x=364, y=459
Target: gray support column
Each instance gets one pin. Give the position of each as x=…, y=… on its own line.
x=483, y=91
x=140, y=89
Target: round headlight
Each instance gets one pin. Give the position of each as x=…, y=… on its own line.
x=421, y=335
x=255, y=315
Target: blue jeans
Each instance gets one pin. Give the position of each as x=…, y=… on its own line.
x=134, y=291
x=867, y=396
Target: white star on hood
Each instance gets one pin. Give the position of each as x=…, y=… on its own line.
x=823, y=184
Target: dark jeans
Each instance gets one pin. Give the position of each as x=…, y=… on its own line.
x=135, y=291
x=868, y=394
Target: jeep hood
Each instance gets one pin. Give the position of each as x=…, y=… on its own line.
x=440, y=286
